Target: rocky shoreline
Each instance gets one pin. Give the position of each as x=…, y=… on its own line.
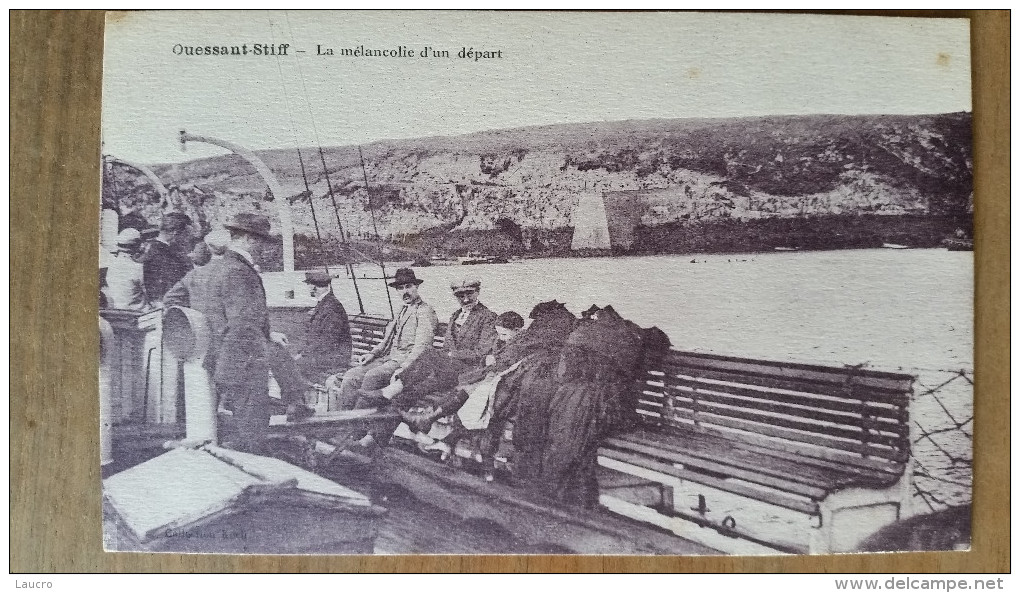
x=852, y=231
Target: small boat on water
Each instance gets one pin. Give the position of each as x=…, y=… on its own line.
x=435, y=260
x=474, y=258
x=958, y=244
x=787, y=248
x=893, y=246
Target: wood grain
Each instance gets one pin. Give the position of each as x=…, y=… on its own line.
x=55, y=73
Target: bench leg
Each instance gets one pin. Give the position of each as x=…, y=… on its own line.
x=666, y=500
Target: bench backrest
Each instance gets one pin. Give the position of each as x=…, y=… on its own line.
x=844, y=414
x=367, y=332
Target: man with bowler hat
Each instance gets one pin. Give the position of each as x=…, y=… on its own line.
x=327, y=345
x=407, y=338
x=229, y=292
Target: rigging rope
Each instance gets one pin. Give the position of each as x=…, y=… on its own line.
x=329, y=182
x=301, y=162
x=336, y=211
x=315, y=219
x=308, y=189
x=375, y=229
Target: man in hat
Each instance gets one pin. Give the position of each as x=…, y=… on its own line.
x=327, y=346
x=470, y=336
x=409, y=336
x=217, y=241
x=165, y=260
x=229, y=292
x=125, y=288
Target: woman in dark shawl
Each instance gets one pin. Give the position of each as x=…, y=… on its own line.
x=598, y=366
x=523, y=396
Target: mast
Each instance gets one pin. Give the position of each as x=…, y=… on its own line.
x=286, y=226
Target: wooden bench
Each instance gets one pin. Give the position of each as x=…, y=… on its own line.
x=823, y=452
x=801, y=458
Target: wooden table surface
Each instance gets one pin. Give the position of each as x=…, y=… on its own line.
x=56, y=68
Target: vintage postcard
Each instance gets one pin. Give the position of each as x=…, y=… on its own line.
x=536, y=283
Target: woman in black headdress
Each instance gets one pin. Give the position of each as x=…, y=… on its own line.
x=523, y=396
x=598, y=365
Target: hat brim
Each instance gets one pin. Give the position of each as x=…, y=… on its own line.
x=416, y=282
x=249, y=231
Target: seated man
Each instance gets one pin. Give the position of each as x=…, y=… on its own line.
x=376, y=378
x=326, y=349
x=409, y=336
x=470, y=336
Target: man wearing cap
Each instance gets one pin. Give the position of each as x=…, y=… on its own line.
x=407, y=338
x=470, y=336
x=471, y=333
x=124, y=286
x=165, y=260
x=229, y=292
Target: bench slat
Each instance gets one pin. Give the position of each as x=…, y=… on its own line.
x=809, y=444
x=893, y=382
x=845, y=425
x=771, y=497
x=368, y=321
x=770, y=438
x=695, y=464
x=812, y=399
x=848, y=392
x=795, y=468
x=838, y=437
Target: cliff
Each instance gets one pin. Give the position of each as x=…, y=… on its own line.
x=685, y=173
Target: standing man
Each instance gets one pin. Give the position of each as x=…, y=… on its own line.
x=165, y=260
x=406, y=339
x=230, y=293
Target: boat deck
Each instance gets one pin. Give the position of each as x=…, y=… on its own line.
x=413, y=525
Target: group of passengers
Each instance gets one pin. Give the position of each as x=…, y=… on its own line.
x=147, y=261
x=563, y=382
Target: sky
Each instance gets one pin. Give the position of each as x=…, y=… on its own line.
x=554, y=68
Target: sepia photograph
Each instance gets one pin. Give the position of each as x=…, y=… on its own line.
x=482, y=282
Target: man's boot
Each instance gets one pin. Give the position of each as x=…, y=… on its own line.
x=421, y=419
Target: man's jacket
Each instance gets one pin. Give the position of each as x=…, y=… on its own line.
x=469, y=342
x=229, y=292
x=327, y=344
x=410, y=334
